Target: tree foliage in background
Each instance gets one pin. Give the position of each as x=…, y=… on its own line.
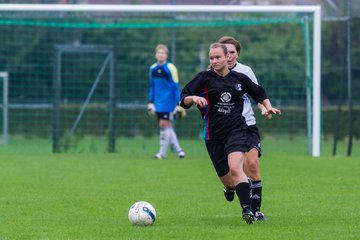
x=276, y=52
x=259, y=44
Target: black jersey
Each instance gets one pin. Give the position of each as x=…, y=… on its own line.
x=224, y=96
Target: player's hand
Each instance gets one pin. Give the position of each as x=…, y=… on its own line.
x=273, y=111
x=200, y=102
x=181, y=111
x=151, y=109
x=266, y=114
x=264, y=111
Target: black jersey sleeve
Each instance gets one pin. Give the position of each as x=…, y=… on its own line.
x=194, y=87
x=257, y=92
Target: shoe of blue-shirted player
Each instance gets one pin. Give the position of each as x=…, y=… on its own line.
x=159, y=156
x=229, y=194
x=181, y=154
x=248, y=215
x=259, y=216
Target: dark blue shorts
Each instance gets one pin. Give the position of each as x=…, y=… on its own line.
x=165, y=115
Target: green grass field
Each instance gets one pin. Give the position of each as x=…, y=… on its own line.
x=87, y=196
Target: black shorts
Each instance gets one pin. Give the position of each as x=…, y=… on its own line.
x=254, y=138
x=165, y=115
x=219, y=149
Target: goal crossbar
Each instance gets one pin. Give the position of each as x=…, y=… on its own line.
x=315, y=10
x=160, y=8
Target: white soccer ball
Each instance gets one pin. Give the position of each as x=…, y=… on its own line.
x=142, y=214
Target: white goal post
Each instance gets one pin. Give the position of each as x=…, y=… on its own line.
x=315, y=10
x=4, y=76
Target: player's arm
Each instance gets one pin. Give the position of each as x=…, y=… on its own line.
x=259, y=94
x=192, y=99
x=263, y=111
x=192, y=90
x=151, y=107
x=270, y=109
x=174, y=76
x=250, y=73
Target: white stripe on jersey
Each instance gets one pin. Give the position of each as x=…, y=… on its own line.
x=248, y=112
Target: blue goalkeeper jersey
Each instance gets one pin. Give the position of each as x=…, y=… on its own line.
x=164, y=89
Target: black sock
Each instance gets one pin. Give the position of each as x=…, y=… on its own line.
x=256, y=189
x=243, y=193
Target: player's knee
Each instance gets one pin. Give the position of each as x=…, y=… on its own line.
x=236, y=173
x=253, y=166
x=164, y=123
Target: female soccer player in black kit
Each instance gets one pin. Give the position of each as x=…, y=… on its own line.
x=218, y=93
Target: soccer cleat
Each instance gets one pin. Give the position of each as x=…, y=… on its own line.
x=259, y=216
x=248, y=216
x=229, y=194
x=181, y=154
x=159, y=156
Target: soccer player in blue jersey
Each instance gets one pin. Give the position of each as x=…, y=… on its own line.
x=218, y=93
x=251, y=158
x=164, y=95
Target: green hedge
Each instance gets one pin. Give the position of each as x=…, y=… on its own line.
x=329, y=121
